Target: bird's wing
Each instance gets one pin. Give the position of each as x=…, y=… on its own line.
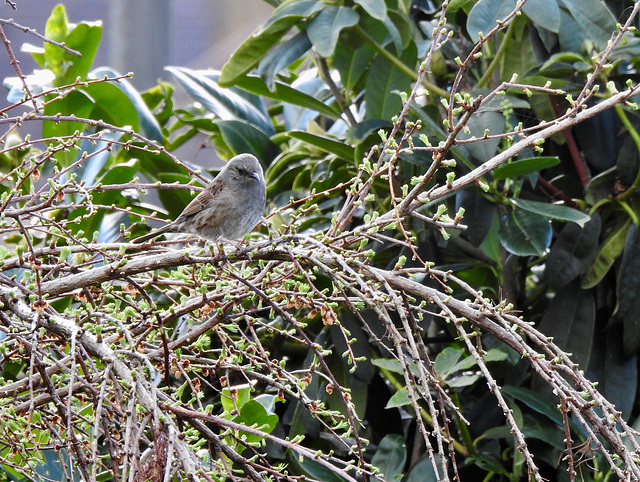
x=200, y=201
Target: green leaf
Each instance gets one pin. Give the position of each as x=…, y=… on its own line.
x=523, y=167
x=423, y=471
x=571, y=252
x=240, y=136
x=85, y=39
x=399, y=399
x=390, y=456
x=462, y=380
x=254, y=413
x=290, y=12
x=553, y=211
x=628, y=293
x=326, y=144
x=446, y=361
x=249, y=53
x=112, y=105
x=242, y=395
x=592, y=21
x=616, y=373
x=534, y=401
x=525, y=233
x=57, y=30
x=224, y=103
x=282, y=56
x=563, y=57
x=606, y=254
x=149, y=125
x=325, y=28
x=375, y=8
x=354, y=56
x=389, y=364
x=480, y=122
x=285, y=93
x=570, y=320
x=382, y=99
x=484, y=14
x=544, y=13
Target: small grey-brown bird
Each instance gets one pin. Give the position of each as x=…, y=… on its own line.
x=229, y=207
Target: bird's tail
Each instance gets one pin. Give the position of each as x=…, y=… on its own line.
x=152, y=234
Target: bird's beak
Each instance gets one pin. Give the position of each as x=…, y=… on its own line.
x=255, y=175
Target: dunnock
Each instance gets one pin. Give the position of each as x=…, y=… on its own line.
x=229, y=207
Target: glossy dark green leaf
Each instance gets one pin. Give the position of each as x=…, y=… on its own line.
x=390, y=456
x=601, y=186
x=544, y=13
x=112, y=105
x=553, y=211
x=242, y=137
x=525, y=233
x=570, y=320
x=393, y=33
x=628, y=293
x=325, y=143
x=591, y=20
x=484, y=14
x=479, y=123
x=423, y=471
x=375, y=8
x=57, y=30
x=315, y=470
x=572, y=252
x=85, y=39
x=290, y=12
x=616, y=374
x=254, y=48
x=149, y=125
x=606, y=254
x=285, y=93
x=399, y=399
x=534, y=401
x=325, y=27
x=282, y=56
x=354, y=56
x=523, y=167
x=224, y=103
x=382, y=99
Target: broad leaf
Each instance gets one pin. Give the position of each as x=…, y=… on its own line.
x=553, y=211
x=525, y=233
x=285, y=93
x=592, y=20
x=523, y=167
x=544, y=13
x=571, y=252
x=224, y=103
x=325, y=28
x=390, y=456
x=606, y=255
x=485, y=13
x=382, y=99
x=375, y=8
x=282, y=56
x=570, y=320
x=326, y=144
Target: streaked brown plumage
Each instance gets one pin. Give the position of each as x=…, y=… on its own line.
x=229, y=207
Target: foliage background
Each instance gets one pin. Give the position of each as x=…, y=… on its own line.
x=447, y=266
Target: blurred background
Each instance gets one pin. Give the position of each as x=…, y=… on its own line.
x=143, y=36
